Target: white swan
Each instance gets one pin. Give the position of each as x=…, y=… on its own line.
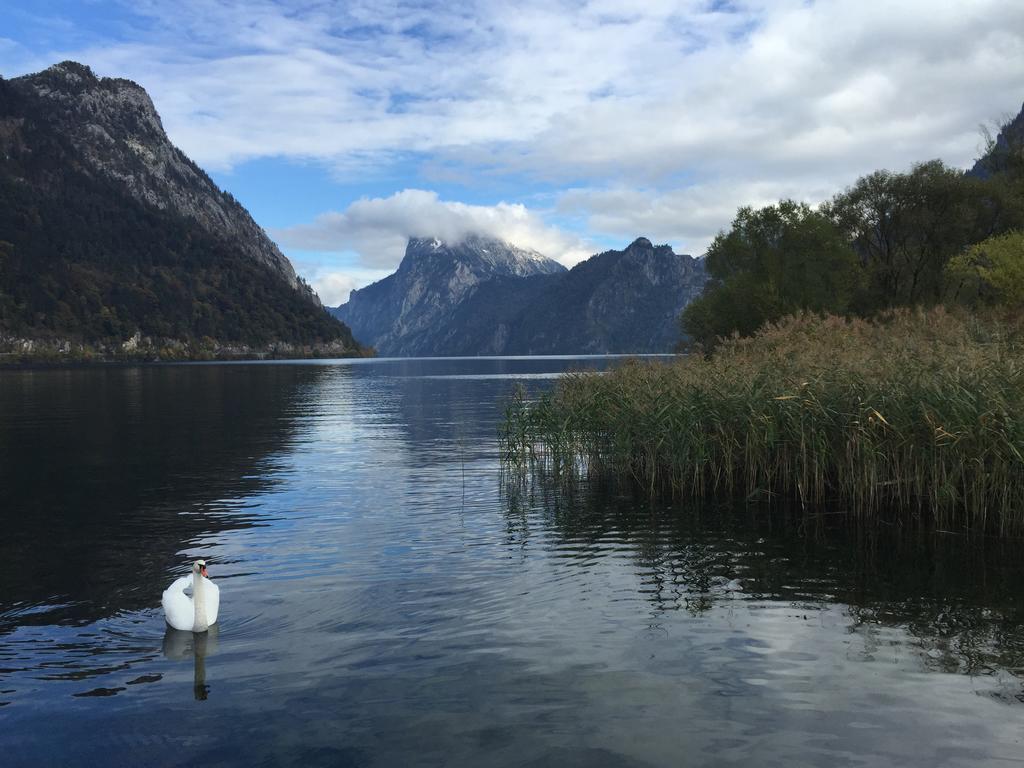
x=196, y=613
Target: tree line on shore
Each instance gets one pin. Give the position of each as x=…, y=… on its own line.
x=928, y=236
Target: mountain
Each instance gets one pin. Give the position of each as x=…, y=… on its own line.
x=1006, y=151
x=404, y=313
x=625, y=301
x=108, y=232
x=618, y=301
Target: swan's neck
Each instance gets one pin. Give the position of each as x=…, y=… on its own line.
x=199, y=603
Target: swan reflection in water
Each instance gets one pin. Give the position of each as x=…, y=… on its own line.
x=180, y=645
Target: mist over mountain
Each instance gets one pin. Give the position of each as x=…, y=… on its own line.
x=108, y=231
x=445, y=301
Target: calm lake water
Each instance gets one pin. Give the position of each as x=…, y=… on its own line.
x=387, y=600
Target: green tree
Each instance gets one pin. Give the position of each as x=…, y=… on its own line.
x=905, y=227
x=990, y=273
x=774, y=261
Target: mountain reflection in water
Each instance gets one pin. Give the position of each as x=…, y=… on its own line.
x=107, y=473
x=389, y=597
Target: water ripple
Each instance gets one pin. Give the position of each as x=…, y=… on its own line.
x=387, y=600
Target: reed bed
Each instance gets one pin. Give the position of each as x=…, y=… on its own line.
x=913, y=417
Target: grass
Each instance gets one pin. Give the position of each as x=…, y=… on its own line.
x=916, y=417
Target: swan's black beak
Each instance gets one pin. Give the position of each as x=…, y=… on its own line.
x=202, y=570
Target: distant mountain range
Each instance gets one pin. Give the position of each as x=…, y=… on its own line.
x=113, y=242
x=405, y=313
x=482, y=296
x=111, y=237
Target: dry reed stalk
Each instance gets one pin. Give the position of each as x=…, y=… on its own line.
x=918, y=415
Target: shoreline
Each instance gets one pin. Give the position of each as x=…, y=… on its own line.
x=118, y=362
x=19, y=353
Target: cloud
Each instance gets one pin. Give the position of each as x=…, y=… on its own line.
x=687, y=218
x=377, y=229
x=571, y=91
x=657, y=120
x=333, y=286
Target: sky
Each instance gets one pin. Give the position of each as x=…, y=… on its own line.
x=569, y=127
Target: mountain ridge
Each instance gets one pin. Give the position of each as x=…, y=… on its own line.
x=394, y=314
x=624, y=301
x=1006, y=149
x=112, y=239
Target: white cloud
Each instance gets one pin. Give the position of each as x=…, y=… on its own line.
x=333, y=286
x=377, y=229
x=658, y=119
x=570, y=90
x=687, y=218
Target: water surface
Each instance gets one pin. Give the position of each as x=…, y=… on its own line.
x=388, y=599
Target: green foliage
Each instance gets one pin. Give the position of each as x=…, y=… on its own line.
x=914, y=417
x=890, y=240
x=739, y=305
x=990, y=273
x=905, y=227
x=773, y=261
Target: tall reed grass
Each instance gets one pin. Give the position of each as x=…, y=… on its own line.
x=914, y=417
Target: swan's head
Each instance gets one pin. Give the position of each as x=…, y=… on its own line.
x=199, y=566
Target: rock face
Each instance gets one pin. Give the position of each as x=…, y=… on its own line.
x=615, y=302
x=1007, y=151
x=117, y=133
x=625, y=301
x=404, y=313
x=107, y=229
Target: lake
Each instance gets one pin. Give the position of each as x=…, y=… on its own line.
x=390, y=598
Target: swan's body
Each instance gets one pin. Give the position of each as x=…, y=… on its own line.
x=195, y=613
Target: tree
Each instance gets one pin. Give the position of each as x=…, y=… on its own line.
x=990, y=273
x=740, y=305
x=905, y=227
x=774, y=261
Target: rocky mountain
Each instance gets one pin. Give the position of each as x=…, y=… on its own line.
x=619, y=301
x=1006, y=152
x=403, y=313
x=109, y=232
x=615, y=302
